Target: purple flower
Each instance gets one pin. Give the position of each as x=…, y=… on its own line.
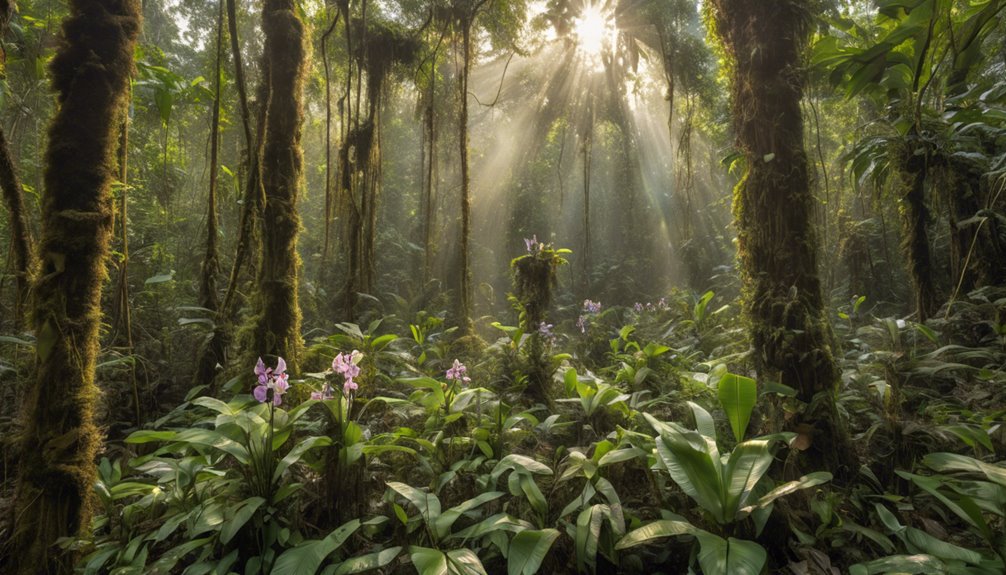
x=662, y=303
x=582, y=323
x=591, y=306
x=545, y=329
x=638, y=307
x=346, y=365
x=268, y=379
x=457, y=372
x=532, y=244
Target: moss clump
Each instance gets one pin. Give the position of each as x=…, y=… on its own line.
x=90, y=75
x=534, y=277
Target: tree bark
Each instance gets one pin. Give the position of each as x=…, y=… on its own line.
x=24, y=256
x=277, y=319
x=773, y=207
x=90, y=76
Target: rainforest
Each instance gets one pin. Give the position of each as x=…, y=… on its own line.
x=479, y=287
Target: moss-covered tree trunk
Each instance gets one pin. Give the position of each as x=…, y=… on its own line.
x=276, y=329
x=915, y=218
x=765, y=40
x=90, y=75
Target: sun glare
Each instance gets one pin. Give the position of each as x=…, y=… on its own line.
x=593, y=30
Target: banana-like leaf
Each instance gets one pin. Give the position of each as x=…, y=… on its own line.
x=528, y=549
x=428, y=561
x=442, y=524
x=944, y=462
x=809, y=480
x=718, y=556
x=747, y=464
x=693, y=463
x=305, y=558
x=367, y=562
x=738, y=395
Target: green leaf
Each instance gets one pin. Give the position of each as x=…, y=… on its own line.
x=428, y=561
x=747, y=464
x=305, y=558
x=427, y=503
x=588, y=534
x=148, y=435
x=694, y=464
x=363, y=563
x=704, y=423
x=297, y=452
x=442, y=524
x=944, y=462
x=528, y=549
x=465, y=562
x=809, y=480
x=160, y=278
x=655, y=530
x=906, y=564
x=246, y=509
x=729, y=557
x=738, y=395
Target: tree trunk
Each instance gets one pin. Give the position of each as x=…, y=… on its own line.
x=214, y=347
x=773, y=208
x=466, y=200
x=277, y=320
x=24, y=257
x=90, y=76
x=915, y=217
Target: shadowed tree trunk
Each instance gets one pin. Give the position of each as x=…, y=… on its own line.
x=13, y=193
x=90, y=74
x=773, y=212
x=276, y=329
x=915, y=215
x=24, y=255
x=212, y=353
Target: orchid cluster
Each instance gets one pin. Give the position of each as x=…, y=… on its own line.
x=661, y=305
x=346, y=365
x=533, y=245
x=269, y=379
x=589, y=308
x=545, y=331
x=458, y=373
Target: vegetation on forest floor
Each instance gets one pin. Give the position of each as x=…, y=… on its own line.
x=289, y=312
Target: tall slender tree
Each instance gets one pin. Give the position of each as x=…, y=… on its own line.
x=13, y=193
x=90, y=74
x=276, y=329
x=765, y=41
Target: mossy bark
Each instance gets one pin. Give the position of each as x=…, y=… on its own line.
x=90, y=75
x=276, y=330
x=773, y=212
x=915, y=218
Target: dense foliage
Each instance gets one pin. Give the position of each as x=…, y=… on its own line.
x=300, y=299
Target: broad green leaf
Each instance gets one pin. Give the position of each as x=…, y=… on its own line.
x=305, y=558
x=588, y=534
x=428, y=561
x=655, y=530
x=244, y=512
x=906, y=564
x=704, y=423
x=718, y=556
x=944, y=462
x=148, y=435
x=367, y=562
x=427, y=503
x=297, y=452
x=528, y=549
x=809, y=480
x=442, y=524
x=738, y=395
x=747, y=464
x=465, y=562
x=693, y=463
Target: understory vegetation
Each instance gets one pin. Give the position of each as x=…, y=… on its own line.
x=474, y=287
